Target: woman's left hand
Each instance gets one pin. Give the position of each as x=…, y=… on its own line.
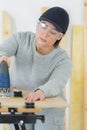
x=35, y=96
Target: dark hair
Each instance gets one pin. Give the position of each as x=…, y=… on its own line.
x=57, y=43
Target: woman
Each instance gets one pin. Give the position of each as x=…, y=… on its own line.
x=40, y=64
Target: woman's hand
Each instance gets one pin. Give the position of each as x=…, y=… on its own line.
x=5, y=58
x=35, y=96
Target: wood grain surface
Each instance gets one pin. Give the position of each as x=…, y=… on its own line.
x=19, y=103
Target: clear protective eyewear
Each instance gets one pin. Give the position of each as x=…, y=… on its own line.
x=44, y=26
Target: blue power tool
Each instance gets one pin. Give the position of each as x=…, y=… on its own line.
x=4, y=79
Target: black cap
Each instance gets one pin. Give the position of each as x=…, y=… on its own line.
x=58, y=17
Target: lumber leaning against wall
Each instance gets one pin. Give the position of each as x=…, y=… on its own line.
x=6, y=25
x=85, y=58
x=77, y=79
x=85, y=88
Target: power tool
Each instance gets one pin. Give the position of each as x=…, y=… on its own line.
x=4, y=79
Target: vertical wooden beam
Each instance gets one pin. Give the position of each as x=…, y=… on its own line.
x=43, y=9
x=5, y=127
x=77, y=79
x=85, y=89
x=63, y=42
x=85, y=77
x=85, y=60
x=6, y=25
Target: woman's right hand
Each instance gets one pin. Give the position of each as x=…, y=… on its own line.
x=5, y=58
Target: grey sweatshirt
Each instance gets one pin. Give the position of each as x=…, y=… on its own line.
x=31, y=70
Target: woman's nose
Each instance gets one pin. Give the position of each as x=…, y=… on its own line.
x=46, y=33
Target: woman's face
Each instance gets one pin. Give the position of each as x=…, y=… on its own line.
x=46, y=34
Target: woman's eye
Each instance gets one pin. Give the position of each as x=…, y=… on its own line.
x=53, y=32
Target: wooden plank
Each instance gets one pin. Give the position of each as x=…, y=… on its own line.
x=55, y=102
x=43, y=9
x=5, y=127
x=63, y=42
x=76, y=122
x=78, y=56
x=85, y=118
x=21, y=109
x=77, y=78
x=6, y=25
x=85, y=79
x=85, y=59
x=19, y=102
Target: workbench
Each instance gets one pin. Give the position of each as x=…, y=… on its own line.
x=13, y=110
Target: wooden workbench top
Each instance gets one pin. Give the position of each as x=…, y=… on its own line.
x=19, y=102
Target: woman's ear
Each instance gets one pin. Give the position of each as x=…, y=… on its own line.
x=60, y=36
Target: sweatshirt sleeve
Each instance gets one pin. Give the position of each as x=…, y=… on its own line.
x=10, y=46
x=58, y=79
